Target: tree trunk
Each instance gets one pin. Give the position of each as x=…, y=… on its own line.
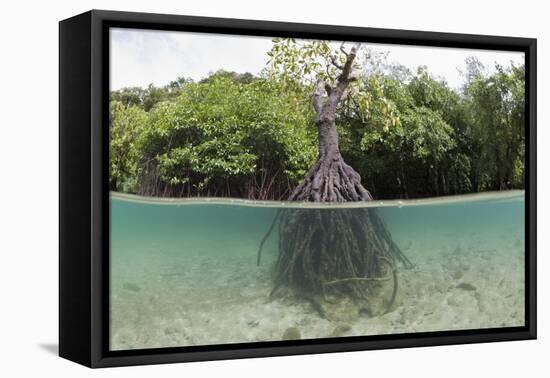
x=330, y=179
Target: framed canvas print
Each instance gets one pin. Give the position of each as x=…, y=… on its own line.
x=234, y=188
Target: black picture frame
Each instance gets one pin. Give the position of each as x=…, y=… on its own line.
x=84, y=191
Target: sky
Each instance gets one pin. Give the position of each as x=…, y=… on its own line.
x=141, y=57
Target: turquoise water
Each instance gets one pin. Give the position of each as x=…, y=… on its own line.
x=184, y=272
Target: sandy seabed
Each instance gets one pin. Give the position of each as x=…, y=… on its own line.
x=206, y=300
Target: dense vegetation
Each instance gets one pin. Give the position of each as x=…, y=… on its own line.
x=406, y=133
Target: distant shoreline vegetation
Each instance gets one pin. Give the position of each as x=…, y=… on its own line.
x=254, y=137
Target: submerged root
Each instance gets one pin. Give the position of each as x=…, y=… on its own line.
x=266, y=236
x=338, y=253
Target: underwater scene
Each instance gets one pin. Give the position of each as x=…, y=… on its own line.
x=186, y=272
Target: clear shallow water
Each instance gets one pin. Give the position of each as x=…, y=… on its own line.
x=183, y=272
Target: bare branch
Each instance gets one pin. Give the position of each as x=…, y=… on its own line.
x=346, y=70
x=343, y=50
x=340, y=88
x=335, y=63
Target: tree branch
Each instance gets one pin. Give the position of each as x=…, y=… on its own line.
x=343, y=50
x=346, y=70
x=340, y=89
x=318, y=96
x=335, y=63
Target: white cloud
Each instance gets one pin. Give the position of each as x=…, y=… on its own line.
x=141, y=57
